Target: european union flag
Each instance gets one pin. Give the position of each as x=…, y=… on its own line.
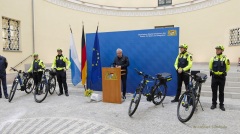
x=96, y=73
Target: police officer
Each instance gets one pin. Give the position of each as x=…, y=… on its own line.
x=3, y=66
x=122, y=62
x=61, y=63
x=36, y=68
x=219, y=65
x=182, y=64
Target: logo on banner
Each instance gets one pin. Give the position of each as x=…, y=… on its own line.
x=111, y=76
x=172, y=32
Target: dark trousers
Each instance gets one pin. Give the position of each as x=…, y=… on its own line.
x=62, y=81
x=4, y=84
x=181, y=78
x=124, y=84
x=37, y=77
x=218, y=82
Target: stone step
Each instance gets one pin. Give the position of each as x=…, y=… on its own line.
x=228, y=78
x=231, y=95
x=227, y=84
x=226, y=89
x=229, y=74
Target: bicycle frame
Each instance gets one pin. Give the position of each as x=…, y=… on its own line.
x=192, y=83
x=142, y=85
x=192, y=86
x=44, y=76
x=18, y=78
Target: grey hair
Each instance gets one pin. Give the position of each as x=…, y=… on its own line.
x=119, y=49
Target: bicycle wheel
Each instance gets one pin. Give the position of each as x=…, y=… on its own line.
x=159, y=94
x=134, y=102
x=186, y=107
x=198, y=93
x=13, y=90
x=41, y=91
x=29, y=85
x=52, y=85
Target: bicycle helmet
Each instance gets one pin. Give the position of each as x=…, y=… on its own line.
x=219, y=47
x=184, y=46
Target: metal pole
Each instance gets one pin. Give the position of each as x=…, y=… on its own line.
x=33, y=26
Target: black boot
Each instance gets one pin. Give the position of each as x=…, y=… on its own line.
x=66, y=94
x=174, y=100
x=222, y=108
x=213, y=106
x=60, y=94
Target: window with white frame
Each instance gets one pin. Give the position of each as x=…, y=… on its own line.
x=10, y=34
x=234, y=37
x=164, y=2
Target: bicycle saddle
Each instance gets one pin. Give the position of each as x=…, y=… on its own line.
x=166, y=76
x=201, y=77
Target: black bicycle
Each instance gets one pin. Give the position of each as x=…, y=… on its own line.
x=52, y=81
x=26, y=83
x=42, y=89
x=191, y=97
x=156, y=94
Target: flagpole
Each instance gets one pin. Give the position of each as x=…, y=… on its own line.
x=70, y=28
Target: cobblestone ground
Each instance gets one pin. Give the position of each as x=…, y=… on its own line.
x=76, y=114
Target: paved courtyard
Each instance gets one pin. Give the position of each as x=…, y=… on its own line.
x=76, y=114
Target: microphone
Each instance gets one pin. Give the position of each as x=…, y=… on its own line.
x=111, y=65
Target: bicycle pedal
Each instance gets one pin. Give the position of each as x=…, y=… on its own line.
x=149, y=99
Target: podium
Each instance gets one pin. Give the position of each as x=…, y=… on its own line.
x=111, y=85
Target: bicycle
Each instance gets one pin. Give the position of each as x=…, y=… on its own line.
x=42, y=89
x=191, y=97
x=52, y=81
x=157, y=93
x=25, y=80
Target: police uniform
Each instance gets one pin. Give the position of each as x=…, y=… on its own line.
x=61, y=63
x=124, y=63
x=36, y=68
x=184, y=61
x=219, y=65
x=3, y=66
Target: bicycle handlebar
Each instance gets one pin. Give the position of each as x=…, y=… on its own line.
x=45, y=70
x=19, y=71
x=144, y=75
x=193, y=76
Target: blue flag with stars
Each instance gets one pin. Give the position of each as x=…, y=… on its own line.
x=96, y=73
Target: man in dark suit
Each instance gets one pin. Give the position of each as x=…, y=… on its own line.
x=3, y=66
x=122, y=62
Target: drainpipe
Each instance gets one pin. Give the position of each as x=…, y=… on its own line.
x=33, y=27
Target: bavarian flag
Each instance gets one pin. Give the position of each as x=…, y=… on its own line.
x=75, y=64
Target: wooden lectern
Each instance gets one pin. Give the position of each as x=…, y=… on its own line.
x=111, y=85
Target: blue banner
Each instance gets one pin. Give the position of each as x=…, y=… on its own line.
x=151, y=51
